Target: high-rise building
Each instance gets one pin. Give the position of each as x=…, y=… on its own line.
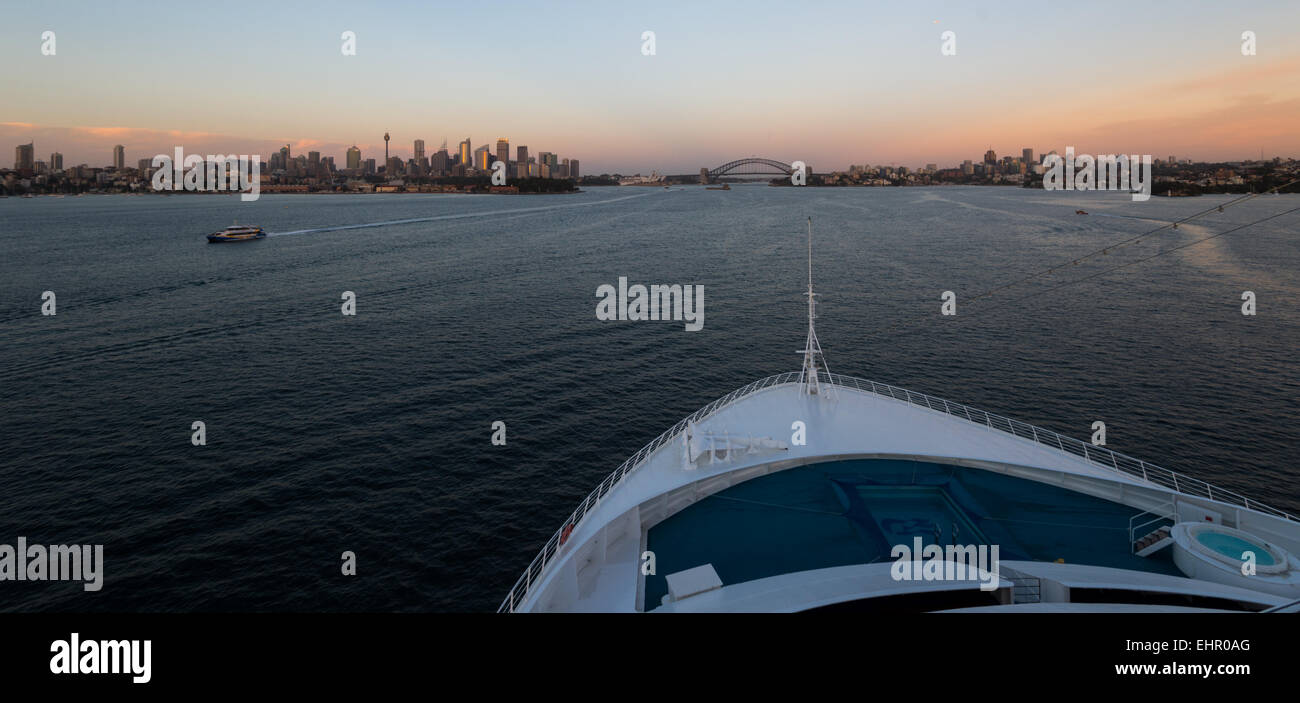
x=503, y=151
x=25, y=156
x=521, y=162
x=368, y=167
x=968, y=168
x=56, y=161
x=119, y=157
x=441, y=162
x=465, y=154
x=354, y=158
x=990, y=157
x=482, y=156
x=573, y=168
x=143, y=165
x=284, y=157
x=1027, y=155
x=313, y=162
x=419, y=150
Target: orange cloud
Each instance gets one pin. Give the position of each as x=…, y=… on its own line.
x=112, y=132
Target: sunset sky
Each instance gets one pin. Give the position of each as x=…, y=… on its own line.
x=830, y=83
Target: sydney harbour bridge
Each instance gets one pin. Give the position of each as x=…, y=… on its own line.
x=751, y=166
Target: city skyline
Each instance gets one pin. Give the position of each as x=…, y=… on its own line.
x=354, y=157
x=723, y=83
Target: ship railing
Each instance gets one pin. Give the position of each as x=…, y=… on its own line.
x=1092, y=453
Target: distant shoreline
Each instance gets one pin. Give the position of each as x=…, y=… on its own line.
x=192, y=193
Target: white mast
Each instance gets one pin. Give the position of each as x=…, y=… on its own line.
x=812, y=350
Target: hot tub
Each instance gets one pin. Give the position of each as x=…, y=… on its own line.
x=1211, y=552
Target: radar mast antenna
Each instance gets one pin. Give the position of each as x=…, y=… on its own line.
x=809, y=377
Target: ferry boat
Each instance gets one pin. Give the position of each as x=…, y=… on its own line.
x=237, y=233
x=814, y=491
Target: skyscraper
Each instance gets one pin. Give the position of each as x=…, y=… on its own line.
x=503, y=151
x=354, y=158
x=56, y=161
x=25, y=156
x=465, y=154
x=573, y=168
x=419, y=150
x=990, y=157
x=521, y=162
x=119, y=157
x=1027, y=156
x=441, y=162
x=481, y=157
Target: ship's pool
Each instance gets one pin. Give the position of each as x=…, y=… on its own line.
x=853, y=512
x=1234, y=547
x=902, y=513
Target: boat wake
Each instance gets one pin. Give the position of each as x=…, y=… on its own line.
x=389, y=223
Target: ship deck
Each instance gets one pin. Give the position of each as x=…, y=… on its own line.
x=879, y=462
x=841, y=513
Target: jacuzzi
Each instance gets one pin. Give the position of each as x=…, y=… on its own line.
x=1211, y=552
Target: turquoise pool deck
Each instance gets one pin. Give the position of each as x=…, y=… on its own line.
x=853, y=512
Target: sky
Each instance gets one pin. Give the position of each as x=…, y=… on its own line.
x=828, y=83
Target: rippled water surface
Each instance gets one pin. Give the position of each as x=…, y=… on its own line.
x=371, y=433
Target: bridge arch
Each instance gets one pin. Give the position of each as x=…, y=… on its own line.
x=751, y=165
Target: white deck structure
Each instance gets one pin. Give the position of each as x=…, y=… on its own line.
x=595, y=568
